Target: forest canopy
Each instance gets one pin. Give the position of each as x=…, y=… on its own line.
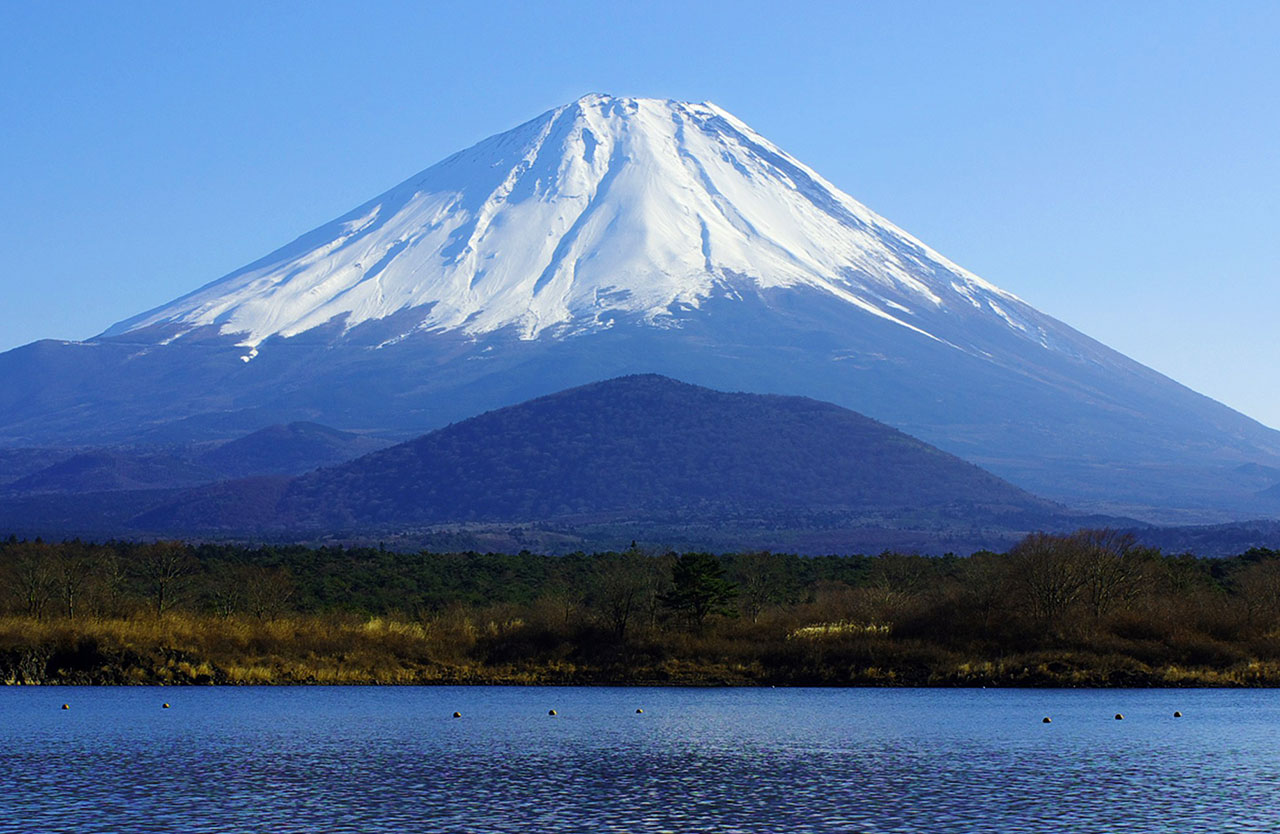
x=1088, y=608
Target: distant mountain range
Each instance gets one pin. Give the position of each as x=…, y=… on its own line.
x=276, y=450
x=642, y=458
x=636, y=457
x=616, y=236
x=104, y=470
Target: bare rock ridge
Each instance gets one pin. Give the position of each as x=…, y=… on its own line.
x=618, y=236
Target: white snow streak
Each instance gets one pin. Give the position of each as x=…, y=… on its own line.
x=603, y=207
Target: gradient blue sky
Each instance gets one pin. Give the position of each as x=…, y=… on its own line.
x=1115, y=164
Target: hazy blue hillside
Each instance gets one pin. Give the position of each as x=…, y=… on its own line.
x=288, y=450
x=635, y=449
x=103, y=470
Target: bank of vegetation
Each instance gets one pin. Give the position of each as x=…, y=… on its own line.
x=1087, y=609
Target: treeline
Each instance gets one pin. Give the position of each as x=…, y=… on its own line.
x=1091, y=608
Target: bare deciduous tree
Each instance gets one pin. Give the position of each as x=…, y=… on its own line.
x=1114, y=568
x=618, y=588
x=73, y=571
x=164, y=568
x=32, y=576
x=267, y=592
x=1259, y=587
x=762, y=582
x=1049, y=575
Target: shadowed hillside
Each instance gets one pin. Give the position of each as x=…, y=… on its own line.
x=634, y=448
x=287, y=450
x=102, y=470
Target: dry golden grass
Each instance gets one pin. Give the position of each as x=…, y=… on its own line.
x=181, y=648
x=842, y=628
x=184, y=648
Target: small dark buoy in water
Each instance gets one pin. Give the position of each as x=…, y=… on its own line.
x=164, y=706
x=1047, y=720
x=1119, y=716
x=552, y=712
x=1177, y=715
x=639, y=711
x=457, y=715
x=66, y=706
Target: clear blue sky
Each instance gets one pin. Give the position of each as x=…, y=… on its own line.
x=1115, y=164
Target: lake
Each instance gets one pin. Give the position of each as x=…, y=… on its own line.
x=393, y=759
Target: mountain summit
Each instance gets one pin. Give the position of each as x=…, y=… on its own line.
x=616, y=236
x=603, y=208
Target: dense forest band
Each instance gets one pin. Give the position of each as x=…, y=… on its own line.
x=1090, y=608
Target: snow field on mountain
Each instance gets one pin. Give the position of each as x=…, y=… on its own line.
x=603, y=207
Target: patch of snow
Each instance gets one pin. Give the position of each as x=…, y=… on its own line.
x=999, y=311
x=601, y=208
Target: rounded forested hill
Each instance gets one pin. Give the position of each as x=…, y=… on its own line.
x=640, y=445
x=287, y=450
x=103, y=470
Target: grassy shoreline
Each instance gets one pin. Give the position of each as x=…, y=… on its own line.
x=188, y=650
x=1089, y=609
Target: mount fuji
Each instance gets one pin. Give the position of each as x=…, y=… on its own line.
x=618, y=236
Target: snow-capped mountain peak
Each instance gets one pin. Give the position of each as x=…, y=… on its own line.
x=616, y=236
x=600, y=209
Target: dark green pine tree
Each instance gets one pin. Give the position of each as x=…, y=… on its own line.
x=699, y=588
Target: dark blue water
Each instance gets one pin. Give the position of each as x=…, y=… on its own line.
x=724, y=760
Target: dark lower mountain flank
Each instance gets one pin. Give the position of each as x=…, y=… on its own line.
x=649, y=444
x=275, y=450
x=639, y=450
x=20, y=462
x=1215, y=540
x=1062, y=427
x=104, y=470
x=290, y=449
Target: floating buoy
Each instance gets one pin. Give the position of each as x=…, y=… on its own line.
x=552, y=712
x=1119, y=716
x=1046, y=720
x=66, y=706
x=1177, y=715
x=457, y=715
x=639, y=711
x=164, y=706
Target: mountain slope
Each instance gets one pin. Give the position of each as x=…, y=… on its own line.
x=287, y=450
x=600, y=209
x=618, y=236
x=634, y=449
x=105, y=470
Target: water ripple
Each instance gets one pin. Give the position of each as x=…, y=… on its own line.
x=875, y=761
